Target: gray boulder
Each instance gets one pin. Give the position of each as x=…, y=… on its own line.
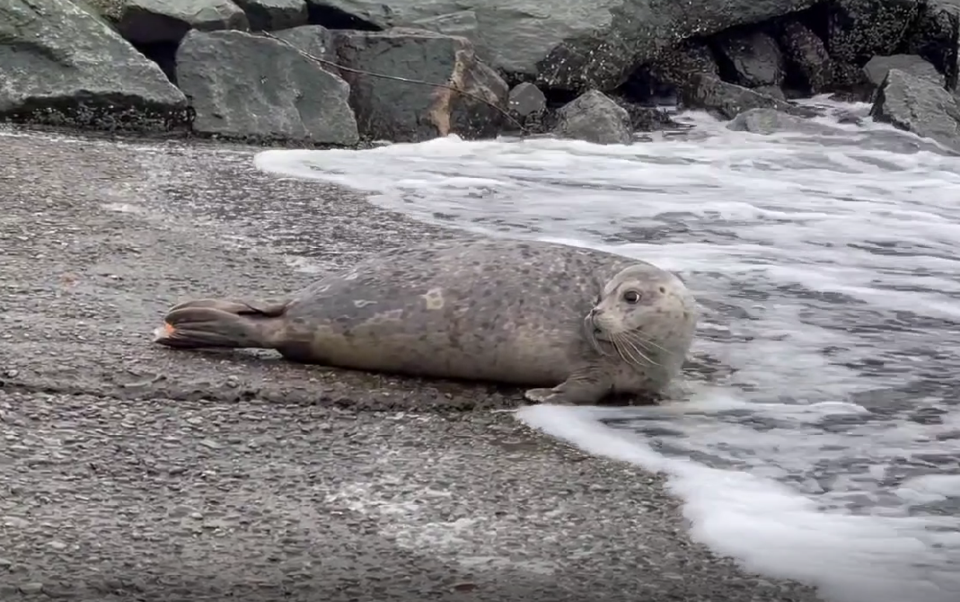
x=61, y=64
x=877, y=68
x=388, y=109
x=269, y=15
x=728, y=100
x=152, y=21
x=315, y=40
x=594, y=117
x=526, y=99
x=771, y=121
x=756, y=59
x=571, y=44
x=244, y=86
x=918, y=105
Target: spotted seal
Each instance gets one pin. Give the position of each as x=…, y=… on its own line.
x=574, y=323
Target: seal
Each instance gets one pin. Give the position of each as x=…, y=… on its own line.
x=571, y=324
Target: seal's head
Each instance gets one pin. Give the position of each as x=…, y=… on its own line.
x=637, y=315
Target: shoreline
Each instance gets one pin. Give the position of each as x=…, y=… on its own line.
x=137, y=472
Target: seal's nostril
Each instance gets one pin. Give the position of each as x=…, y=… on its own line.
x=595, y=311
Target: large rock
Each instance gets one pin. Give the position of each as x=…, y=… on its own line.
x=62, y=64
x=250, y=87
x=152, y=21
x=877, y=68
x=728, y=100
x=571, y=44
x=594, y=117
x=268, y=15
x=918, y=105
x=388, y=109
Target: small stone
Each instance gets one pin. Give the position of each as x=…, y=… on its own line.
x=58, y=545
x=31, y=588
x=594, y=117
x=210, y=444
x=526, y=99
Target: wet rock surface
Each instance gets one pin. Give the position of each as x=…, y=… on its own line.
x=246, y=86
x=133, y=472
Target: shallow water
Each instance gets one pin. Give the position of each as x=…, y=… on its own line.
x=820, y=435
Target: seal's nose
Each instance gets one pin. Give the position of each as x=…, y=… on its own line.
x=596, y=311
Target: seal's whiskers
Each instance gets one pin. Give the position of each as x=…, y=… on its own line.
x=647, y=344
x=630, y=352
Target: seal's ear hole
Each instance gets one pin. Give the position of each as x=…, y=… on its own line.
x=663, y=290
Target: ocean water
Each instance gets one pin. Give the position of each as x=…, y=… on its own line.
x=818, y=435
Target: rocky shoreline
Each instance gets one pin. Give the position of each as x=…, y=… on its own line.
x=344, y=72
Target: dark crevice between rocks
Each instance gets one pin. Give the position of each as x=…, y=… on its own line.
x=164, y=54
x=644, y=88
x=333, y=18
x=644, y=96
x=816, y=19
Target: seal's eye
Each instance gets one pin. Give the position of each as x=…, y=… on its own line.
x=631, y=297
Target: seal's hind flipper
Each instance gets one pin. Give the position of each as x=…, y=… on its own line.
x=213, y=323
x=233, y=307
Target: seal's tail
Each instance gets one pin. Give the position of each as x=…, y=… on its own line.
x=216, y=323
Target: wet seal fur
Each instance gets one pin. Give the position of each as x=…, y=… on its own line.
x=577, y=324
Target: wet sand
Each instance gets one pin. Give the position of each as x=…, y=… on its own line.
x=134, y=472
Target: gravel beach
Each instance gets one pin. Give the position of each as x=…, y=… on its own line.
x=133, y=472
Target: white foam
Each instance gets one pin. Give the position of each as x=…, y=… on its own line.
x=789, y=460
x=772, y=529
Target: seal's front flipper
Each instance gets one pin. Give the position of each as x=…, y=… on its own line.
x=213, y=323
x=580, y=389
